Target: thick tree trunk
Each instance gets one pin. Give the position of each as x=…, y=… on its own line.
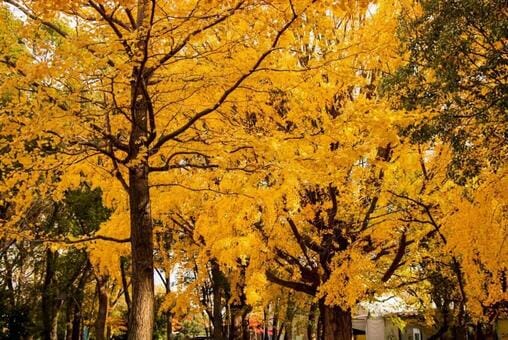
x=337, y=323
x=142, y=311
x=102, y=313
x=141, y=316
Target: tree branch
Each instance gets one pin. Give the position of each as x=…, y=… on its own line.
x=298, y=286
x=165, y=138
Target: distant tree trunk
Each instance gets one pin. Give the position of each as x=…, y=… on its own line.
x=217, y=284
x=229, y=317
x=49, y=310
x=239, y=329
x=102, y=314
x=169, y=325
x=444, y=325
x=288, y=331
x=311, y=321
x=76, y=321
x=239, y=326
x=337, y=322
x=125, y=285
x=54, y=325
x=78, y=303
x=168, y=315
x=290, y=314
x=460, y=329
x=275, y=320
x=68, y=319
x=265, y=324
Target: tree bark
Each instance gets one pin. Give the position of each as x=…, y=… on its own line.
x=102, y=313
x=217, y=284
x=141, y=317
x=142, y=311
x=337, y=323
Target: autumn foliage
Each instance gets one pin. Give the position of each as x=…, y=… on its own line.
x=170, y=168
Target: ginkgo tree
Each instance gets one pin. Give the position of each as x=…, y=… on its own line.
x=316, y=211
x=136, y=90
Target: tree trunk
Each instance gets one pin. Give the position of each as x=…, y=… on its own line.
x=77, y=302
x=169, y=325
x=239, y=329
x=275, y=320
x=235, y=332
x=337, y=323
x=68, y=319
x=288, y=331
x=102, y=314
x=217, y=300
x=49, y=311
x=311, y=324
x=290, y=315
x=141, y=316
x=239, y=308
x=54, y=325
x=125, y=285
x=76, y=323
x=265, y=323
x=142, y=311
